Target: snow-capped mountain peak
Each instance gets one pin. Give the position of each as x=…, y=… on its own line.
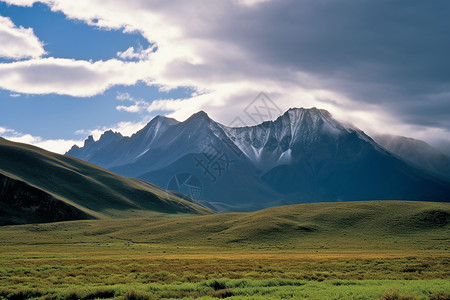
x=275, y=142
x=155, y=128
x=305, y=155
x=265, y=145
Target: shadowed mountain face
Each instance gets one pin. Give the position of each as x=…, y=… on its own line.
x=444, y=147
x=21, y=203
x=40, y=186
x=303, y=156
x=417, y=152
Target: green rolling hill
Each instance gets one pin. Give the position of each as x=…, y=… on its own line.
x=348, y=250
x=40, y=186
x=348, y=226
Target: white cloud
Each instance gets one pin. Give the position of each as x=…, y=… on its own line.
x=139, y=105
x=18, y=42
x=139, y=54
x=250, y=2
x=4, y=130
x=68, y=76
x=60, y=146
x=125, y=128
x=189, y=54
x=124, y=96
x=217, y=47
x=26, y=3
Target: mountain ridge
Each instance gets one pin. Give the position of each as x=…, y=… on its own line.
x=305, y=155
x=417, y=152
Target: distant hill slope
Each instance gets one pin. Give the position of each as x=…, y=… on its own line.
x=369, y=225
x=40, y=186
x=417, y=152
x=303, y=156
x=443, y=146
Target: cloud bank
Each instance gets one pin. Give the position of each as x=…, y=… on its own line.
x=68, y=77
x=55, y=145
x=18, y=42
x=382, y=65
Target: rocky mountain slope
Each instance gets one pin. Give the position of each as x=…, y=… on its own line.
x=417, y=152
x=305, y=155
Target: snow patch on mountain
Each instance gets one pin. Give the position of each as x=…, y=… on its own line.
x=271, y=143
x=266, y=145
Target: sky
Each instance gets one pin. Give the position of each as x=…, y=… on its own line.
x=69, y=69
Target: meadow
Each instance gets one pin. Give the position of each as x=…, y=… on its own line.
x=360, y=250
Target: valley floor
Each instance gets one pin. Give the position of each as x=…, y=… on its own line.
x=129, y=271
x=223, y=256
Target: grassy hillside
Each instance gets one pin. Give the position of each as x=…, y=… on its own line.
x=95, y=192
x=371, y=225
x=356, y=250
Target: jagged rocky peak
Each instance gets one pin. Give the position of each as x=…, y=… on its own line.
x=200, y=121
x=164, y=119
x=309, y=114
x=201, y=113
x=89, y=141
x=76, y=151
x=199, y=116
x=73, y=148
x=157, y=122
x=110, y=135
x=301, y=123
x=314, y=121
x=90, y=144
x=110, y=132
x=157, y=125
x=270, y=141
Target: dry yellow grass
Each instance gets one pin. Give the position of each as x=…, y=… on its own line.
x=363, y=250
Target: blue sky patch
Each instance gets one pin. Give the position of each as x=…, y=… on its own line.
x=60, y=116
x=64, y=38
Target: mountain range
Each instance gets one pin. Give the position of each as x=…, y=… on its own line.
x=417, y=152
x=303, y=156
x=40, y=186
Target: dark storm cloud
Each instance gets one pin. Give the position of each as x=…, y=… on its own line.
x=391, y=53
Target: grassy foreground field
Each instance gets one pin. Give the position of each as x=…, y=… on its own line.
x=359, y=250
